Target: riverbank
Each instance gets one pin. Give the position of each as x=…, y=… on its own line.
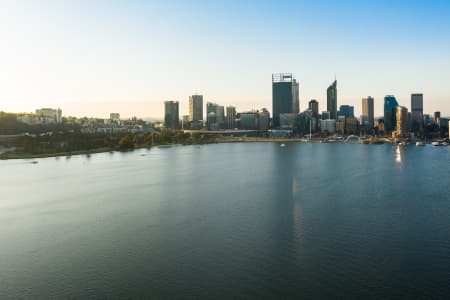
x=20, y=155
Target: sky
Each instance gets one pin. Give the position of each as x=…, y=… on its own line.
x=92, y=57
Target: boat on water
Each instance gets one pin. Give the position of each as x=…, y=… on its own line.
x=34, y=162
x=282, y=145
x=436, y=144
x=444, y=144
x=419, y=143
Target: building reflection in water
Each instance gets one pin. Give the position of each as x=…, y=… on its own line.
x=398, y=155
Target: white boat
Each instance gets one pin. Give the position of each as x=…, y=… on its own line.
x=444, y=144
x=436, y=144
x=420, y=143
x=282, y=145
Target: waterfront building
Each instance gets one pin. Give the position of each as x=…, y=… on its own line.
x=402, y=127
x=314, y=106
x=347, y=111
x=285, y=96
x=248, y=120
x=340, y=125
x=367, y=118
x=171, y=115
x=328, y=126
x=437, y=118
x=114, y=117
x=231, y=117
x=380, y=125
x=325, y=115
x=332, y=100
x=196, y=111
x=427, y=120
x=185, y=122
x=49, y=115
x=390, y=111
x=219, y=116
x=306, y=121
x=416, y=113
x=211, y=121
x=263, y=120
x=351, y=125
x=287, y=120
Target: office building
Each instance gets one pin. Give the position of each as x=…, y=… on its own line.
x=351, y=125
x=390, y=112
x=285, y=96
x=231, y=117
x=263, y=120
x=171, y=115
x=402, y=128
x=417, y=113
x=196, y=111
x=367, y=117
x=288, y=121
x=347, y=111
x=314, y=106
x=437, y=118
x=328, y=126
x=340, y=125
x=326, y=115
x=248, y=120
x=215, y=116
x=332, y=100
x=185, y=122
x=49, y=115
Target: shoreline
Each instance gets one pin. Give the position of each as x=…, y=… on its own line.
x=15, y=155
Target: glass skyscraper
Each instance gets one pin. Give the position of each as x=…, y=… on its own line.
x=390, y=111
x=332, y=100
x=171, y=114
x=347, y=111
x=416, y=112
x=285, y=96
x=367, y=117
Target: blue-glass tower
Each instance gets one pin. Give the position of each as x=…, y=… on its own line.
x=390, y=108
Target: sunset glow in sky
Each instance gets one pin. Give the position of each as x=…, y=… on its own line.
x=95, y=57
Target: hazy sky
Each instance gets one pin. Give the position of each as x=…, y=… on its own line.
x=96, y=57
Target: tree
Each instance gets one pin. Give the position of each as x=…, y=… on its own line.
x=126, y=142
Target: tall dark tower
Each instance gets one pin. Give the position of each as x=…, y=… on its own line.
x=390, y=112
x=285, y=96
x=332, y=100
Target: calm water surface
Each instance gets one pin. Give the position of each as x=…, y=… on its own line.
x=228, y=221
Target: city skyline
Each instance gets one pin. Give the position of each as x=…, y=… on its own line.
x=91, y=59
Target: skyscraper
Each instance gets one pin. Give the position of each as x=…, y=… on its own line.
x=367, y=118
x=215, y=116
x=402, y=121
x=416, y=112
x=195, y=108
x=231, y=117
x=285, y=96
x=314, y=106
x=332, y=100
x=171, y=114
x=437, y=118
x=390, y=111
x=347, y=111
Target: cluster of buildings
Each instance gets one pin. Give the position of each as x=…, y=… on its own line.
x=42, y=116
x=397, y=121
x=218, y=117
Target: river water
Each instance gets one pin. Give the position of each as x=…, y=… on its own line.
x=222, y=221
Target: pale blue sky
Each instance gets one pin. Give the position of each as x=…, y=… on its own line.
x=94, y=57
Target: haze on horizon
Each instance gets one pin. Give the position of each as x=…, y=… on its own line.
x=95, y=57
